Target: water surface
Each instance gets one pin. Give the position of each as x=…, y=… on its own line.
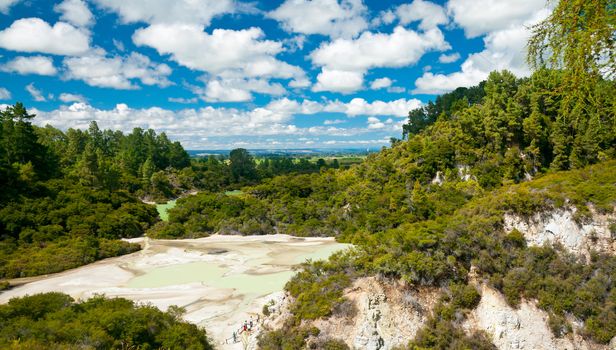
x=163, y=209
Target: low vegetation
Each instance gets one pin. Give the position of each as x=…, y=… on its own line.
x=56, y=321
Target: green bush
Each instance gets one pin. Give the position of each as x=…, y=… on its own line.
x=55, y=320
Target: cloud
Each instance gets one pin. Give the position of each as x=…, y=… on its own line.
x=195, y=126
x=428, y=13
x=238, y=90
x=40, y=65
x=183, y=100
x=386, y=83
x=239, y=62
x=375, y=123
x=66, y=98
x=385, y=17
x=450, y=58
x=36, y=94
x=334, y=121
x=359, y=106
x=396, y=89
x=188, y=124
x=75, y=12
x=398, y=49
x=504, y=49
x=5, y=5
x=380, y=83
x=285, y=105
x=338, y=81
x=344, y=18
x=478, y=17
x=350, y=59
x=5, y=94
x=223, y=52
x=36, y=35
x=353, y=108
x=167, y=12
x=119, y=45
x=117, y=72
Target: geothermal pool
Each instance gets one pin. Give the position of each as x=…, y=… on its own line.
x=220, y=280
x=163, y=209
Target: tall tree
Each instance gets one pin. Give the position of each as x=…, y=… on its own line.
x=242, y=165
x=578, y=37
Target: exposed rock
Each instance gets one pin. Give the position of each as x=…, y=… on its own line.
x=524, y=328
x=386, y=315
x=464, y=173
x=559, y=226
x=438, y=179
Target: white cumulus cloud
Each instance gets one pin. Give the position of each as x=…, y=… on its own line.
x=40, y=65
x=359, y=106
x=349, y=59
x=478, y=17
x=504, y=49
x=380, y=83
x=165, y=11
x=117, y=72
x=238, y=90
x=427, y=13
x=194, y=127
x=344, y=18
x=243, y=51
x=338, y=80
x=36, y=35
x=75, y=12
x=67, y=98
x=449, y=58
x=238, y=61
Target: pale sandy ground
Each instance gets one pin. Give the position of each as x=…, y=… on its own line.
x=219, y=310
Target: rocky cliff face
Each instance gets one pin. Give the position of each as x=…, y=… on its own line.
x=522, y=328
x=379, y=315
x=382, y=315
x=560, y=226
x=389, y=315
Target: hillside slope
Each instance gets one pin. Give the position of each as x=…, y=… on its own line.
x=493, y=284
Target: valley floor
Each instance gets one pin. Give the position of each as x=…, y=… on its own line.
x=221, y=281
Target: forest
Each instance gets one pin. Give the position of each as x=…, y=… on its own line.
x=431, y=208
x=69, y=197
x=425, y=211
x=56, y=321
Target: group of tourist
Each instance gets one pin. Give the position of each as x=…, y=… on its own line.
x=247, y=326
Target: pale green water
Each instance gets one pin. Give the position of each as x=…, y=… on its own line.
x=178, y=274
x=321, y=254
x=163, y=209
x=234, y=193
x=254, y=284
x=215, y=276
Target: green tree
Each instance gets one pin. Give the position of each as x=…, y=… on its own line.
x=578, y=36
x=243, y=166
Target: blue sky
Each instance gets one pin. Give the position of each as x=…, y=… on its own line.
x=220, y=74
